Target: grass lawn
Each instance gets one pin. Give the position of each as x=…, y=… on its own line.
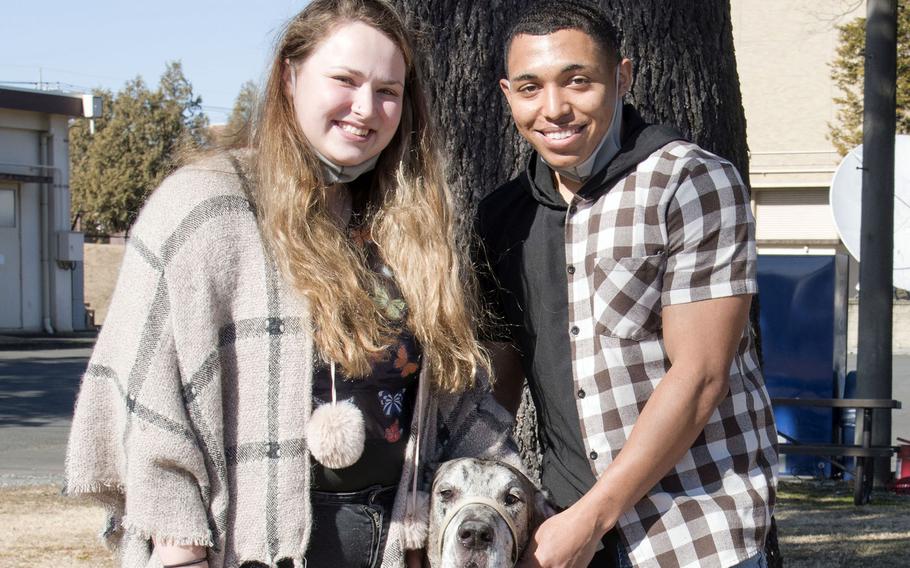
x=819, y=527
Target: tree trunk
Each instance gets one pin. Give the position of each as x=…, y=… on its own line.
x=685, y=76
x=462, y=44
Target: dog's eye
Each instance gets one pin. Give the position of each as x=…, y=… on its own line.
x=445, y=494
x=511, y=499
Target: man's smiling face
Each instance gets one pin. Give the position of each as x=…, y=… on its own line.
x=562, y=90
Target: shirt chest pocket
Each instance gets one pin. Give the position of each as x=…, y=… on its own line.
x=626, y=299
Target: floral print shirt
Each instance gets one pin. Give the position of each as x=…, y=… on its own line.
x=386, y=397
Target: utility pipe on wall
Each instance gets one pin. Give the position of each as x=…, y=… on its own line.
x=43, y=158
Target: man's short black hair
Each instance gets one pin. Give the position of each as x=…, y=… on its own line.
x=545, y=18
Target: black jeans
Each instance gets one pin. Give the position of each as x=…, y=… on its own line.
x=349, y=529
x=612, y=555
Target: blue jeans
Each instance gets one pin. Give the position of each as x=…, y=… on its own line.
x=757, y=561
x=349, y=529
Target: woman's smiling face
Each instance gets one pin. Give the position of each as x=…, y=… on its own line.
x=348, y=94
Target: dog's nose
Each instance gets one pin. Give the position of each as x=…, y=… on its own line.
x=475, y=534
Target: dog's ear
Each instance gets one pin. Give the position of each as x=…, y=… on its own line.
x=542, y=509
x=438, y=470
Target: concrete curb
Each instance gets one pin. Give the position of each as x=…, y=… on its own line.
x=26, y=342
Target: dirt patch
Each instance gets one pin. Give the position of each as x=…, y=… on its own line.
x=102, y=265
x=43, y=528
x=819, y=527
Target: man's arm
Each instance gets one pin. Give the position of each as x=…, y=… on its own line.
x=701, y=339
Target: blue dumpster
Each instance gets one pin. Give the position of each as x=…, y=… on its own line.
x=797, y=325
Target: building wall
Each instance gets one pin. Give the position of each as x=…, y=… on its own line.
x=31, y=255
x=63, y=305
x=900, y=331
x=20, y=150
x=19, y=145
x=784, y=49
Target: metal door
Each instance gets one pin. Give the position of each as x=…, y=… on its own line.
x=10, y=258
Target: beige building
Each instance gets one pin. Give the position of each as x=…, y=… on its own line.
x=783, y=50
x=40, y=256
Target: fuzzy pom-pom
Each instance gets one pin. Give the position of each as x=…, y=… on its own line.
x=416, y=523
x=335, y=434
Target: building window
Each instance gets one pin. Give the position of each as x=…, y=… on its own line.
x=7, y=207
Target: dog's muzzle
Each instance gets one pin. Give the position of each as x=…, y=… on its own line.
x=486, y=502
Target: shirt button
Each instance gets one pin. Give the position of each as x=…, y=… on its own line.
x=581, y=393
x=593, y=455
x=573, y=209
x=570, y=269
x=574, y=330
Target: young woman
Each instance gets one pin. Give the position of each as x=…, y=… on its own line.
x=291, y=345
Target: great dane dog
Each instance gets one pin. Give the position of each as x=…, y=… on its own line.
x=482, y=514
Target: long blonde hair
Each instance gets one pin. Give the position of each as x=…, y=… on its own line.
x=413, y=224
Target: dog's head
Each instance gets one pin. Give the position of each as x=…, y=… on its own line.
x=482, y=514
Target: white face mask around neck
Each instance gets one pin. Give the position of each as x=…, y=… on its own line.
x=345, y=174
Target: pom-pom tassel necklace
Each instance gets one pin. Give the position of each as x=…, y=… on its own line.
x=336, y=432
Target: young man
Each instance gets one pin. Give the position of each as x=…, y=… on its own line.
x=622, y=265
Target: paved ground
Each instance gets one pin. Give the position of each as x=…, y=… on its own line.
x=39, y=378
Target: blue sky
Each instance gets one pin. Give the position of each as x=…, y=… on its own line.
x=90, y=43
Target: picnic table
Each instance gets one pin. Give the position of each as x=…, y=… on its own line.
x=865, y=453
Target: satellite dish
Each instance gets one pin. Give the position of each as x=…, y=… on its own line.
x=846, y=205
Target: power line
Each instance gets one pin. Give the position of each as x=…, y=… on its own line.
x=41, y=68
x=50, y=85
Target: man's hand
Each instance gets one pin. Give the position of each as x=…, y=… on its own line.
x=566, y=540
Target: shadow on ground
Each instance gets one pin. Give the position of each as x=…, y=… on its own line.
x=36, y=392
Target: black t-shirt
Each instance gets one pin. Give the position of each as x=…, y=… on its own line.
x=523, y=276
x=387, y=396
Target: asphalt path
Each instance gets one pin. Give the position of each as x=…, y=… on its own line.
x=38, y=386
x=39, y=380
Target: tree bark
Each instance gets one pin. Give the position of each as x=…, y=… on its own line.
x=685, y=76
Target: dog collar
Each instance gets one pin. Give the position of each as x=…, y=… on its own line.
x=487, y=502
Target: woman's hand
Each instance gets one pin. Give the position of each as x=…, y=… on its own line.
x=170, y=554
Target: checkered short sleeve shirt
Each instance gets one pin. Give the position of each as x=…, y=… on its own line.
x=678, y=229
